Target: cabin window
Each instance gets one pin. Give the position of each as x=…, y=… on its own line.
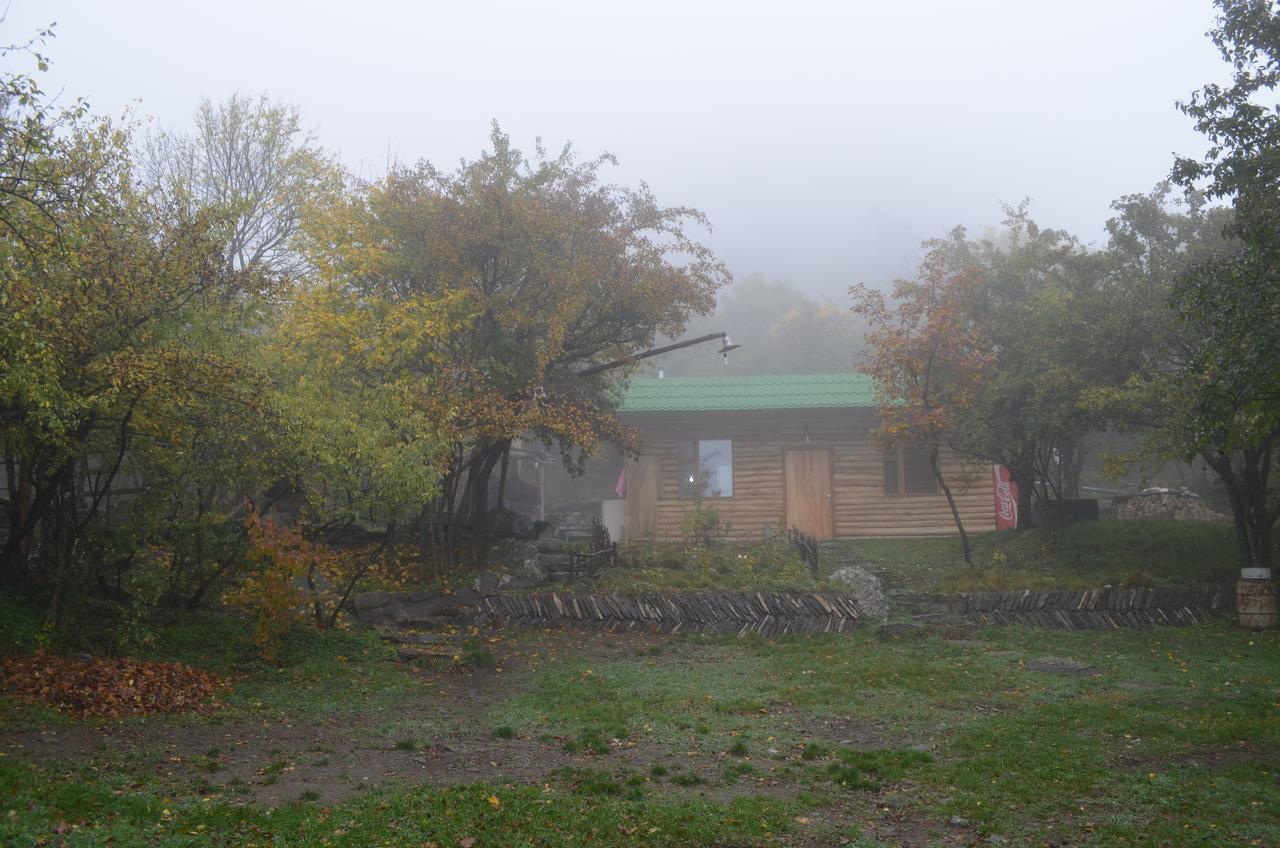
x=706, y=467
x=907, y=471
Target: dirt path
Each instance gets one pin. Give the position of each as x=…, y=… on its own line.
x=275, y=762
x=279, y=762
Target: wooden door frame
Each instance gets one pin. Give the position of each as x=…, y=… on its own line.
x=831, y=474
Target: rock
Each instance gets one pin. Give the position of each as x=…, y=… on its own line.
x=517, y=565
x=1060, y=665
x=534, y=569
x=900, y=630
x=425, y=610
x=409, y=638
x=865, y=588
x=372, y=600
x=487, y=582
x=81, y=656
x=957, y=821
x=996, y=839
x=516, y=582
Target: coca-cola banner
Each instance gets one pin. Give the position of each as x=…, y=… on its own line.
x=1006, y=498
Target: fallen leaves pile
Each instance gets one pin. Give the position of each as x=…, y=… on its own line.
x=109, y=688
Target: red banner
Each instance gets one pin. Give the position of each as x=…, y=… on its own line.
x=1006, y=498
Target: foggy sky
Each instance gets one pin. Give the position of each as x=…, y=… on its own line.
x=824, y=140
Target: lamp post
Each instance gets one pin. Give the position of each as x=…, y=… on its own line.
x=726, y=346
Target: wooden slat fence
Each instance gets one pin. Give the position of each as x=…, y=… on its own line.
x=766, y=613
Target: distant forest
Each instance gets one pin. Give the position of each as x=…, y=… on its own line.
x=781, y=329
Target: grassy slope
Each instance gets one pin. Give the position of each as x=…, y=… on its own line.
x=1079, y=555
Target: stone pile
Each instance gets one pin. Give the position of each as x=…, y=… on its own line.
x=866, y=589
x=1168, y=505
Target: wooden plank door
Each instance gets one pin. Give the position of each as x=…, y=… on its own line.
x=808, y=491
x=641, y=517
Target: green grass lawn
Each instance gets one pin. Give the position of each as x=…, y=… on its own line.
x=1172, y=740
x=948, y=736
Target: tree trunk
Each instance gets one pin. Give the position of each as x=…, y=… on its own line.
x=14, y=552
x=1246, y=489
x=502, y=477
x=951, y=502
x=1254, y=519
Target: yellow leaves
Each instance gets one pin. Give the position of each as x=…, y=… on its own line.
x=494, y=802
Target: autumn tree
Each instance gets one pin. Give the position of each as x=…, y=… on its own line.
x=251, y=166
x=556, y=270
x=100, y=300
x=363, y=381
x=929, y=362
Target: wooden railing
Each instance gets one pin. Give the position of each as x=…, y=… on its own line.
x=807, y=547
x=604, y=553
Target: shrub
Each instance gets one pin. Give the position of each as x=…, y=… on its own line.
x=701, y=527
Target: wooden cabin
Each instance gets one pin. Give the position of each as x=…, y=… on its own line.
x=797, y=447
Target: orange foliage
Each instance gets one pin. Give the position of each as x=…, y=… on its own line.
x=295, y=579
x=927, y=357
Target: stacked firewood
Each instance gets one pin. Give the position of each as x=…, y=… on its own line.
x=1168, y=505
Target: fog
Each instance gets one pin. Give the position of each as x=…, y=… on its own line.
x=824, y=140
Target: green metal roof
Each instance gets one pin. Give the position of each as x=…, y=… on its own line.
x=778, y=391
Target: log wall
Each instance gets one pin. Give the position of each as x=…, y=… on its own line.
x=759, y=439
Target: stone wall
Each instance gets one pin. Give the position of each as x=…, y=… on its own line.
x=766, y=613
x=1109, y=608
x=1167, y=504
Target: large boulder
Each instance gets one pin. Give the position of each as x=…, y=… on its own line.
x=512, y=565
x=865, y=588
x=489, y=582
x=426, y=610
